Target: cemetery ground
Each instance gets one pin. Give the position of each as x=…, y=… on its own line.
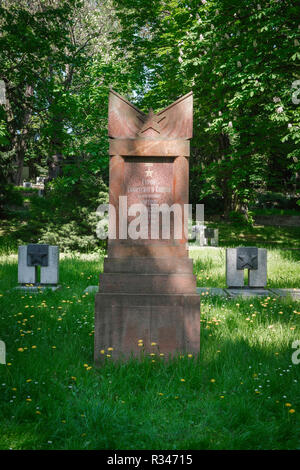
x=241, y=393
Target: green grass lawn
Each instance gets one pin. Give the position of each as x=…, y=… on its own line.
x=241, y=393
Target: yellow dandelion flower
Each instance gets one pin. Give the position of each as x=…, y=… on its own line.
x=291, y=410
x=212, y=380
x=288, y=404
x=38, y=412
x=102, y=351
x=153, y=344
x=20, y=349
x=182, y=380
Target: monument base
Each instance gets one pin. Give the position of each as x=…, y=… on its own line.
x=123, y=320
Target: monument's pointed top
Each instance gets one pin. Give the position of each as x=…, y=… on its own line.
x=127, y=121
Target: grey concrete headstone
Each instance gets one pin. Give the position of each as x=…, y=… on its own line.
x=31, y=256
x=50, y=273
x=258, y=277
x=26, y=274
x=234, y=277
x=251, y=258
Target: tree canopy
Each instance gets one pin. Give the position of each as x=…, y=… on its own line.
x=240, y=58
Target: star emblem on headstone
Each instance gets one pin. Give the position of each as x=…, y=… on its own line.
x=151, y=121
x=247, y=258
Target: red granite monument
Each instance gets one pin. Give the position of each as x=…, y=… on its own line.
x=147, y=290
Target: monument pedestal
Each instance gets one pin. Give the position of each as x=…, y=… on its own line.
x=147, y=291
x=170, y=321
x=149, y=299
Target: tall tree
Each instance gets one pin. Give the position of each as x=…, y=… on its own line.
x=240, y=58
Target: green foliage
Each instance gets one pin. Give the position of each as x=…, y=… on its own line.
x=241, y=61
x=275, y=200
x=237, y=218
x=67, y=215
x=9, y=195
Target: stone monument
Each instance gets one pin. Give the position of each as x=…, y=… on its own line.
x=246, y=257
x=147, y=293
x=32, y=256
x=211, y=236
x=205, y=236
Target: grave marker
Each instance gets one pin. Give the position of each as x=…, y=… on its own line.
x=147, y=291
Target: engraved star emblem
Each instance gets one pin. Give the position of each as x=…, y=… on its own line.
x=151, y=121
x=247, y=261
x=149, y=173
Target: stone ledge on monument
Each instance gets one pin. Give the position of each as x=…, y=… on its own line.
x=148, y=283
x=148, y=265
x=147, y=251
